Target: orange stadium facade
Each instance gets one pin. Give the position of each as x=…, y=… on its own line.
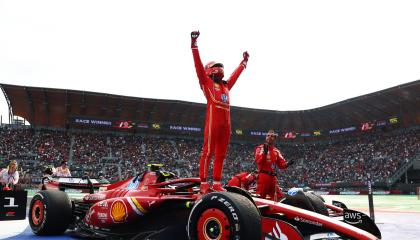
x=62, y=108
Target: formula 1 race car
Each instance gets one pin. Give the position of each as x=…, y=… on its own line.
x=159, y=205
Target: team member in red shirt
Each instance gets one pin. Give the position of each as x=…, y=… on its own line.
x=217, y=126
x=243, y=180
x=268, y=159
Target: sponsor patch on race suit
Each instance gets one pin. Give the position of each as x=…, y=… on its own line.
x=225, y=98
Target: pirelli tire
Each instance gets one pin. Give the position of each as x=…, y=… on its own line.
x=224, y=215
x=50, y=212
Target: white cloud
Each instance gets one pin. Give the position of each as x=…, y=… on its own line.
x=304, y=54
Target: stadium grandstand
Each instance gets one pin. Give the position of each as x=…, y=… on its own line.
x=335, y=146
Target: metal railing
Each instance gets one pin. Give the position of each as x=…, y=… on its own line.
x=402, y=170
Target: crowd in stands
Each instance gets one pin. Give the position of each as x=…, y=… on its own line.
x=120, y=155
x=348, y=161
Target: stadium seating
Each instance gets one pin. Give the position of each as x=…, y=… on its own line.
x=123, y=155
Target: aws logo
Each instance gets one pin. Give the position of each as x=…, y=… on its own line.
x=353, y=217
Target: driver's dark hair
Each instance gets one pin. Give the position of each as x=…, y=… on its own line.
x=218, y=65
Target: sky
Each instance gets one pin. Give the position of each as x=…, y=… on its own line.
x=304, y=54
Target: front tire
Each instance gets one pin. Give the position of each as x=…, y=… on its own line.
x=50, y=212
x=224, y=215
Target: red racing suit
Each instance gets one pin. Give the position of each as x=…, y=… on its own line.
x=243, y=180
x=267, y=184
x=217, y=126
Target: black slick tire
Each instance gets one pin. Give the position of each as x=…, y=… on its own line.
x=50, y=212
x=224, y=215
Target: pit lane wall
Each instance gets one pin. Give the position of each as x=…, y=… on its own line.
x=360, y=188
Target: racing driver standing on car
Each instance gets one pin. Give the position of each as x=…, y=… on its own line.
x=268, y=159
x=217, y=126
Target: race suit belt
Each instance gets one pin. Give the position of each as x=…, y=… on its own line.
x=269, y=173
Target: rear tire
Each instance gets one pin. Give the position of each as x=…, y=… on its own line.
x=50, y=212
x=224, y=215
x=317, y=203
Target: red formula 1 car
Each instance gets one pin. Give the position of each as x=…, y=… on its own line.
x=158, y=205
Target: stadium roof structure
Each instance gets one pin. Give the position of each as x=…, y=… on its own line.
x=49, y=107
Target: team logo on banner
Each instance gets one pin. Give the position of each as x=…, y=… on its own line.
x=393, y=120
x=118, y=211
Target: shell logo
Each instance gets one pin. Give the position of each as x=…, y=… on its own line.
x=118, y=211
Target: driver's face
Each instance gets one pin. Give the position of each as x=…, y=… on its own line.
x=270, y=138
